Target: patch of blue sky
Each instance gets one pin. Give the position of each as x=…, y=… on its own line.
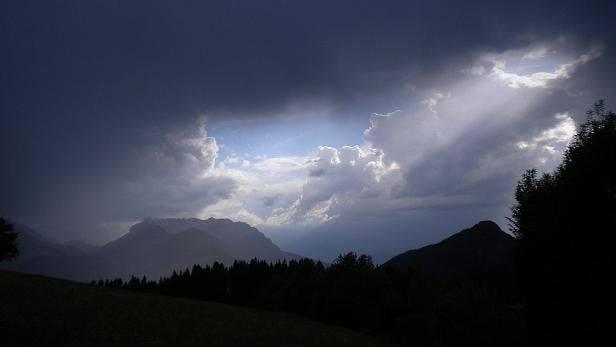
x=286, y=137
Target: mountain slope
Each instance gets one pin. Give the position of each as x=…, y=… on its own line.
x=191, y=247
x=42, y=311
x=39, y=255
x=482, y=247
x=153, y=247
x=244, y=242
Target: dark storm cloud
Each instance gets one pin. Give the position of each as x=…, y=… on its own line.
x=88, y=89
x=149, y=59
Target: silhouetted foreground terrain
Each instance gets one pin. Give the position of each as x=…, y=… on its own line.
x=410, y=304
x=484, y=247
x=42, y=311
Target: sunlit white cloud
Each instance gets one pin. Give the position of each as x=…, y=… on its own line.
x=551, y=142
x=280, y=165
x=539, y=79
x=262, y=186
x=537, y=53
x=340, y=182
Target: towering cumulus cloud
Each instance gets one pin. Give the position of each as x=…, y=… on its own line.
x=178, y=168
x=345, y=181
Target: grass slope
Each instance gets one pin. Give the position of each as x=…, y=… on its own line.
x=36, y=310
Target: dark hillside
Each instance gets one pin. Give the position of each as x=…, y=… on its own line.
x=482, y=247
x=42, y=311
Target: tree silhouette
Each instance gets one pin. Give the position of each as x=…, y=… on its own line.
x=400, y=304
x=8, y=241
x=566, y=226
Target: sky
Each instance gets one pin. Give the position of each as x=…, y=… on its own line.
x=329, y=125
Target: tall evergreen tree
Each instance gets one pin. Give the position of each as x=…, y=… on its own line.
x=566, y=226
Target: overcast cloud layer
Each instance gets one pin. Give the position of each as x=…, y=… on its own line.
x=109, y=113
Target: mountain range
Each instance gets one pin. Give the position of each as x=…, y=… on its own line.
x=153, y=247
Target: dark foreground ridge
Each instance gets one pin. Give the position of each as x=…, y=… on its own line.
x=41, y=311
x=483, y=247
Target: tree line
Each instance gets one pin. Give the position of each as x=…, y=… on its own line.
x=405, y=305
